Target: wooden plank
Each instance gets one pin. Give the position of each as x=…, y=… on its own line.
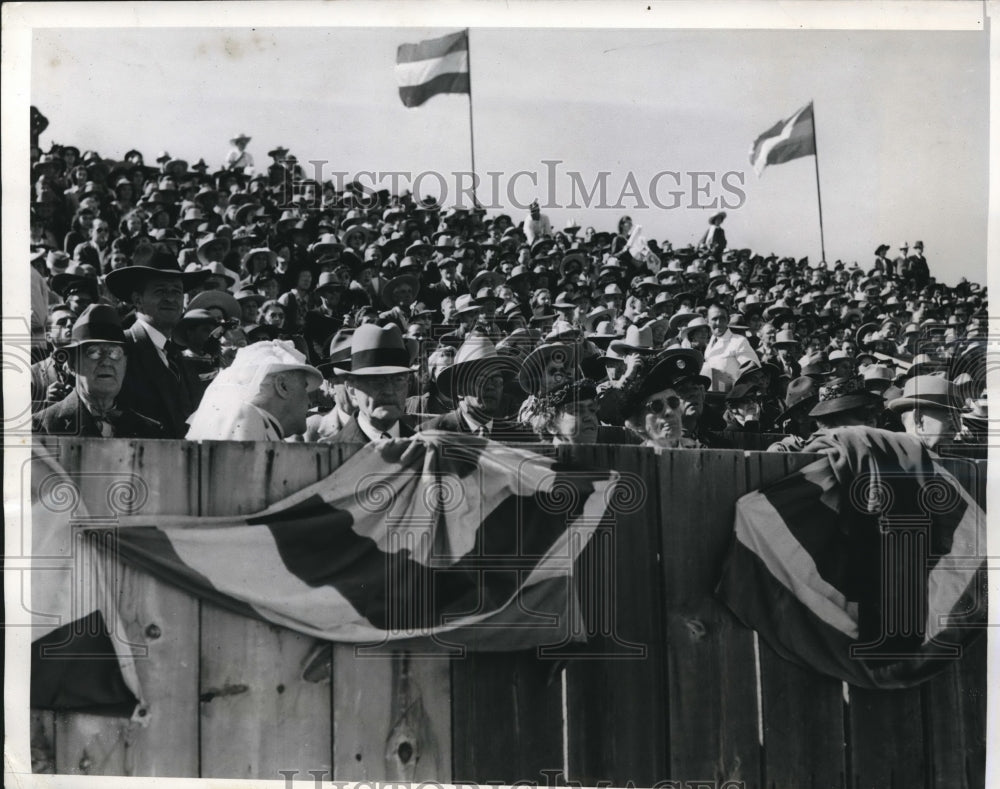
x=886, y=739
x=43, y=741
x=954, y=707
x=616, y=701
x=258, y=716
x=802, y=711
x=508, y=718
x=118, y=477
x=90, y=744
x=391, y=717
x=712, y=672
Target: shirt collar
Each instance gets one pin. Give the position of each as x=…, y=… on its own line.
x=159, y=338
x=471, y=421
x=373, y=433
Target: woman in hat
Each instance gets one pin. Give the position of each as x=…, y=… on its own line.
x=239, y=159
x=651, y=405
x=566, y=415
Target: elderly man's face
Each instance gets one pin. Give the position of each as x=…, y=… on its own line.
x=100, y=369
x=161, y=301
x=381, y=398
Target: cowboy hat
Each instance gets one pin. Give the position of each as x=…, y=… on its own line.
x=123, y=282
x=637, y=340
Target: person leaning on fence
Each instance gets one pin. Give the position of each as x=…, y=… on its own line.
x=96, y=356
x=475, y=382
x=929, y=409
x=378, y=380
x=262, y=396
x=652, y=406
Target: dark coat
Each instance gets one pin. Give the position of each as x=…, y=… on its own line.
x=70, y=417
x=506, y=431
x=151, y=388
x=351, y=433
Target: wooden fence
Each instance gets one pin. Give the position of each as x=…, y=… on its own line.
x=672, y=687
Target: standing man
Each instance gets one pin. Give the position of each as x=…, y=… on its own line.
x=238, y=158
x=919, y=273
x=155, y=384
x=536, y=224
x=714, y=239
x=901, y=265
x=726, y=352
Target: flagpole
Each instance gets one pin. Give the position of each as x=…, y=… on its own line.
x=472, y=138
x=819, y=198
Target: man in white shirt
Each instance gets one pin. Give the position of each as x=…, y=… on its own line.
x=262, y=396
x=725, y=352
x=536, y=224
x=238, y=158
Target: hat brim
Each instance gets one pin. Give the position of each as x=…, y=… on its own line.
x=123, y=282
x=901, y=404
x=366, y=371
x=845, y=403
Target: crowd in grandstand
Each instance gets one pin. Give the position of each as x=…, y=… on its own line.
x=170, y=300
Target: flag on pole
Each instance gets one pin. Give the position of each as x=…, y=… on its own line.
x=786, y=140
x=868, y=565
x=438, y=65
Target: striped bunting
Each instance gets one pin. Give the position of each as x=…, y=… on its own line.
x=469, y=537
x=439, y=65
x=786, y=140
x=867, y=565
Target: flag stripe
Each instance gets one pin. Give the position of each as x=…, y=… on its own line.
x=433, y=48
x=791, y=564
x=422, y=71
x=784, y=141
x=444, y=83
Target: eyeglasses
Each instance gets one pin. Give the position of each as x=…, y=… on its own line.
x=658, y=405
x=97, y=352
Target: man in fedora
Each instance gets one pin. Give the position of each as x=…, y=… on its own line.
x=155, y=384
x=262, y=396
x=321, y=426
x=929, y=409
x=96, y=357
x=378, y=381
x=475, y=383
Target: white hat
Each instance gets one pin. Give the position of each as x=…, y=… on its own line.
x=253, y=363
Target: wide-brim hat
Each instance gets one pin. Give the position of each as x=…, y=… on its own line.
x=390, y=288
x=637, y=340
x=474, y=356
x=802, y=392
x=843, y=394
x=785, y=339
x=932, y=391
x=215, y=269
x=192, y=318
x=486, y=279
x=123, y=282
x=212, y=247
x=72, y=277
x=377, y=350
x=239, y=138
x=531, y=376
x=220, y=299
x=697, y=322
x=328, y=280
x=97, y=323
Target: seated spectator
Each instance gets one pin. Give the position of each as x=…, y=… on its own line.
x=262, y=396
x=51, y=378
x=96, y=357
x=929, y=409
x=325, y=425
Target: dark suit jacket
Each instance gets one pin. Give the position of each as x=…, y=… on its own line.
x=151, y=388
x=509, y=432
x=351, y=433
x=70, y=417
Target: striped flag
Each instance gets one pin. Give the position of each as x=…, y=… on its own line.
x=868, y=565
x=439, y=65
x=786, y=140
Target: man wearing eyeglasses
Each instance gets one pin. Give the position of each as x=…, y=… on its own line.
x=96, y=355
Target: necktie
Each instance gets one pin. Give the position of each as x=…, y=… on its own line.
x=482, y=432
x=173, y=354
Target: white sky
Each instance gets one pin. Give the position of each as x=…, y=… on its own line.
x=901, y=117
